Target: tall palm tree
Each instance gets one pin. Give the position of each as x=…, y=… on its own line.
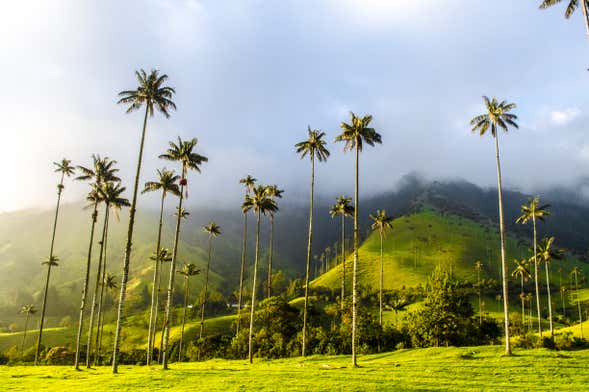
x=28, y=311
x=213, y=230
x=152, y=93
x=355, y=135
x=261, y=203
x=532, y=212
x=316, y=148
x=275, y=193
x=495, y=118
x=381, y=223
x=547, y=253
x=187, y=271
x=571, y=8
x=64, y=167
x=110, y=194
x=575, y=272
x=108, y=283
x=522, y=273
x=166, y=183
x=478, y=267
x=249, y=183
x=164, y=256
x=342, y=208
x=183, y=152
x=101, y=172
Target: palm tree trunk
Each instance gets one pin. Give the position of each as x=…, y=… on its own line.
x=155, y=289
x=308, y=265
x=204, y=298
x=537, y=280
x=523, y=306
x=271, y=255
x=480, y=309
x=24, y=337
x=549, y=299
x=343, y=288
x=586, y=15
x=253, y=307
x=100, y=323
x=183, y=318
x=85, y=289
x=168, y=313
x=503, y=263
x=95, y=294
x=355, y=266
x=579, y=306
x=44, y=307
x=381, y=284
x=127, y=260
x=241, y=272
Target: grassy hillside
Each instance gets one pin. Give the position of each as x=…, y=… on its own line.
x=462, y=369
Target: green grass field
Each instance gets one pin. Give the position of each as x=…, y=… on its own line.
x=464, y=369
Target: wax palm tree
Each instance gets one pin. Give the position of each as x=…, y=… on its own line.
x=355, y=135
x=65, y=169
x=575, y=272
x=478, y=267
x=109, y=283
x=152, y=93
x=164, y=256
x=563, y=290
x=165, y=183
x=213, y=230
x=570, y=9
x=342, y=208
x=399, y=305
x=183, y=152
x=497, y=117
x=187, y=271
x=261, y=203
x=316, y=148
x=248, y=182
x=275, y=193
x=381, y=222
x=547, y=253
x=522, y=273
x=28, y=311
x=534, y=212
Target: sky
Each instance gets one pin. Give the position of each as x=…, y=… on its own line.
x=251, y=76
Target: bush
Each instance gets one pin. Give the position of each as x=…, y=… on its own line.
x=59, y=356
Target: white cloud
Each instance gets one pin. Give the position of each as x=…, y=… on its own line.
x=565, y=116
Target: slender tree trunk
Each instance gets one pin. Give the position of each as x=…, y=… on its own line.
x=24, y=337
x=241, y=272
x=127, y=259
x=253, y=307
x=381, y=284
x=157, y=307
x=480, y=309
x=537, y=280
x=100, y=323
x=549, y=299
x=523, y=306
x=308, y=264
x=269, y=284
x=85, y=289
x=579, y=306
x=95, y=294
x=204, y=298
x=155, y=289
x=355, y=265
x=343, y=288
x=44, y=306
x=503, y=263
x=168, y=313
x=183, y=318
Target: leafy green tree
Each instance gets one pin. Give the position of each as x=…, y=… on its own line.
x=154, y=95
x=575, y=272
x=495, y=118
x=248, y=182
x=64, y=167
x=342, y=208
x=187, y=271
x=355, y=135
x=316, y=148
x=213, y=230
x=381, y=222
x=261, y=203
x=521, y=272
x=533, y=212
x=166, y=183
x=547, y=253
x=571, y=8
x=28, y=311
x=183, y=152
x=275, y=193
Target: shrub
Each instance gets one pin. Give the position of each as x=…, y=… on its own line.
x=59, y=356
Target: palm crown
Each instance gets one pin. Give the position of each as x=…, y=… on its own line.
x=110, y=281
x=259, y=201
x=64, y=167
x=166, y=182
x=570, y=9
x=212, y=229
x=150, y=92
x=357, y=133
x=381, y=221
x=110, y=193
x=249, y=182
x=546, y=252
x=183, y=153
x=314, y=146
x=497, y=116
x=163, y=255
x=52, y=261
x=189, y=270
x=342, y=206
x=532, y=210
x=103, y=170
x=520, y=269
x=28, y=309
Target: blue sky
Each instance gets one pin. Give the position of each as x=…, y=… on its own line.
x=251, y=75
